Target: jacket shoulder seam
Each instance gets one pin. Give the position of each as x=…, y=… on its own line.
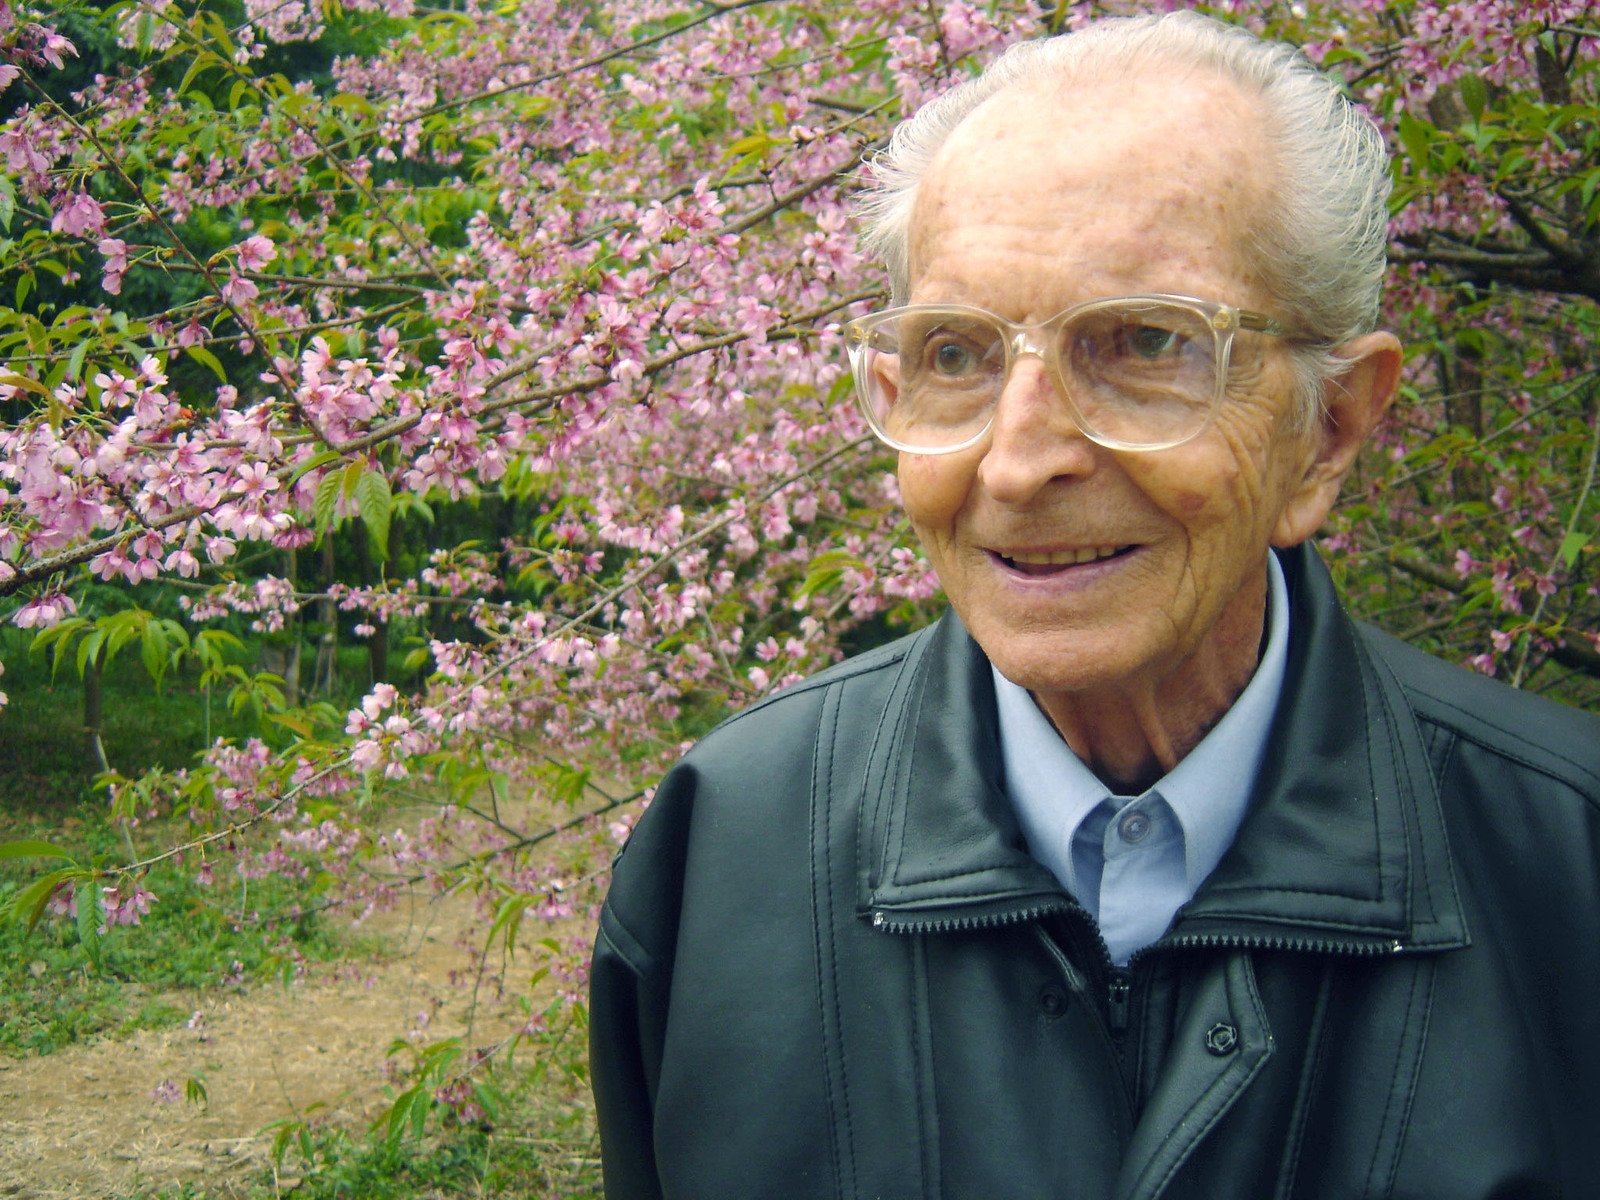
x=622, y=942
x=1583, y=780
x=1432, y=707
x=865, y=664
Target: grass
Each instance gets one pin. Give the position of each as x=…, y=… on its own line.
x=52, y=994
x=485, y=1165
x=43, y=764
x=540, y=1142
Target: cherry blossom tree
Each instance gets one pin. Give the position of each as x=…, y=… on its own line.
x=533, y=309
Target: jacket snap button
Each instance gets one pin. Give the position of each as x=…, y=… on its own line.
x=1222, y=1038
x=1052, y=1001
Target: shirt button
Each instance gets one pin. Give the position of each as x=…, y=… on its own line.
x=1133, y=827
x=1052, y=1001
x=1222, y=1039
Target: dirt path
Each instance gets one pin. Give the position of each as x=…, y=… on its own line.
x=83, y=1123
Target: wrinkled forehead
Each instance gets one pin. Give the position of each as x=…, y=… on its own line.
x=1142, y=160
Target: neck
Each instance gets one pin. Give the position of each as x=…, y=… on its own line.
x=1134, y=732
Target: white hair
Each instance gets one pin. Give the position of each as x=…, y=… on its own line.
x=1320, y=250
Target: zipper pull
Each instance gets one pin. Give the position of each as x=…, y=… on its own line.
x=1118, y=1006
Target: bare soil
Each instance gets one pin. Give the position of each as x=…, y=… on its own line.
x=84, y=1122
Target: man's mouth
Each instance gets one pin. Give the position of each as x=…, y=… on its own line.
x=1049, y=562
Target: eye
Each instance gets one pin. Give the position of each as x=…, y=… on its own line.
x=950, y=358
x=1151, y=342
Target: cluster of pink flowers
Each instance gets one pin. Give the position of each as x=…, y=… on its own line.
x=596, y=367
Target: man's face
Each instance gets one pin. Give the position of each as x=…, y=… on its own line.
x=1041, y=201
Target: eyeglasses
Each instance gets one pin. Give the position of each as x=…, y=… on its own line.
x=1136, y=372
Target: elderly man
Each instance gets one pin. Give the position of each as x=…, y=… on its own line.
x=1145, y=872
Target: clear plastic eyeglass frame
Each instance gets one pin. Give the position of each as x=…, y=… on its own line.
x=869, y=337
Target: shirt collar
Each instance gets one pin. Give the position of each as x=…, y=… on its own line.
x=1052, y=791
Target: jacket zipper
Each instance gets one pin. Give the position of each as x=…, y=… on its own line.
x=1119, y=985
x=893, y=923
x=1119, y=994
x=1234, y=941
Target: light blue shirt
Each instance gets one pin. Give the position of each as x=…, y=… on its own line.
x=1133, y=861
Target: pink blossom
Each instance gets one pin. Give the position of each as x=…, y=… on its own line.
x=182, y=562
x=115, y=251
x=80, y=216
x=239, y=290
x=23, y=153
x=133, y=568
x=63, y=901
x=125, y=910
x=254, y=482
x=54, y=47
x=381, y=697
x=116, y=391
x=255, y=252
x=44, y=611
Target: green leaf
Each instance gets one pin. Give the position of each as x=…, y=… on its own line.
x=508, y=919
x=207, y=359
x=121, y=628
x=325, y=503
x=1416, y=136
x=399, y=1111
x=8, y=202
x=350, y=477
x=826, y=570
x=28, y=849
x=57, y=638
x=1474, y=94
x=407, y=503
x=489, y=1098
x=75, y=359
x=89, y=649
x=311, y=464
x=153, y=650
x=202, y=60
x=88, y=905
x=293, y=723
x=28, y=904
x=11, y=379
x=752, y=145
x=377, y=503
x=1572, y=545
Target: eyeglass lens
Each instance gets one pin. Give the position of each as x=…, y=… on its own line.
x=1136, y=373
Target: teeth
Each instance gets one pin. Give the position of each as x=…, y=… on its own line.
x=1065, y=558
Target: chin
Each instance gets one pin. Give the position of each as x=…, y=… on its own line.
x=1070, y=667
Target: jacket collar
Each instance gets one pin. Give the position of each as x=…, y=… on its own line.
x=1343, y=845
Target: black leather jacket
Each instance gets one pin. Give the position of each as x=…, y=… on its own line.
x=828, y=967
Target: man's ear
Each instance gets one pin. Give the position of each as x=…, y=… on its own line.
x=1353, y=402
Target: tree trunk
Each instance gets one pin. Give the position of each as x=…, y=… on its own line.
x=326, y=671
x=93, y=705
x=1464, y=408
x=378, y=639
x=291, y=657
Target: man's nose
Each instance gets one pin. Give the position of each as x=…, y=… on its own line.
x=1034, y=438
